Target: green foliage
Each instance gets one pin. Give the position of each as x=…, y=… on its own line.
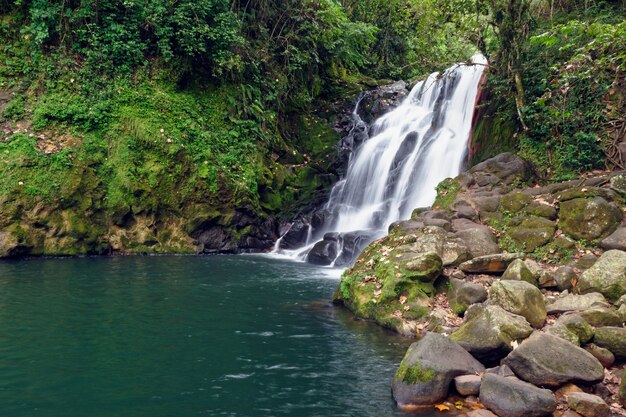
x=14, y=110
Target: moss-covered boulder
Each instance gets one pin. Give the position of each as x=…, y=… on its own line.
x=613, y=339
x=519, y=271
x=573, y=302
x=428, y=368
x=573, y=328
x=602, y=316
x=8, y=244
x=519, y=297
x=606, y=276
x=532, y=232
x=488, y=331
x=589, y=218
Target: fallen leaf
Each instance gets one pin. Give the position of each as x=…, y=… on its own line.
x=442, y=407
x=402, y=299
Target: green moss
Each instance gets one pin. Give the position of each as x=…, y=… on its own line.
x=414, y=374
x=447, y=191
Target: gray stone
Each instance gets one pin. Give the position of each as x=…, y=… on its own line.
x=501, y=370
x=621, y=301
x=589, y=218
x=478, y=238
x=607, y=276
x=519, y=271
x=462, y=294
x=617, y=240
x=532, y=232
x=467, y=384
x=490, y=263
x=511, y=397
x=613, y=339
x=564, y=277
x=606, y=358
x=489, y=330
x=585, y=262
x=519, y=297
x=573, y=302
x=505, y=168
x=547, y=360
x=618, y=182
x=425, y=374
x=588, y=405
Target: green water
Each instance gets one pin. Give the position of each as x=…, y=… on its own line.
x=186, y=336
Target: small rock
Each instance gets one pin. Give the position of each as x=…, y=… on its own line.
x=520, y=297
x=617, y=240
x=481, y=413
x=424, y=375
x=606, y=358
x=501, y=370
x=519, y=271
x=462, y=294
x=490, y=264
x=511, y=397
x=606, y=276
x=573, y=302
x=565, y=390
x=613, y=339
x=489, y=330
x=564, y=277
x=621, y=393
x=467, y=384
x=547, y=360
x=588, y=405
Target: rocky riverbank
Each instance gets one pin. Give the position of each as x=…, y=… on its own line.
x=515, y=291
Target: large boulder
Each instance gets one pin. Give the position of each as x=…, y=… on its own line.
x=547, y=360
x=532, y=232
x=478, y=238
x=428, y=368
x=490, y=264
x=573, y=302
x=519, y=271
x=463, y=294
x=295, y=237
x=589, y=218
x=602, y=316
x=502, y=169
x=425, y=267
x=488, y=332
x=613, y=339
x=573, y=328
x=519, y=297
x=511, y=397
x=606, y=276
x=324, y=252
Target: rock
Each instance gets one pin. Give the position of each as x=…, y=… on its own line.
x=585, y=262
x=573, y=302
x=573, y=328
x=511, y=397
x=547, y=360
x=490, y=263
x=589, y=218
x=463, y=294
x=519, y=297
x=295, y=237
x=606, y=358
x=567, y=413
x=323, y=252
x=588, y=405
x=8, y=244
x=352, y=244
x=478, y=238
x=489, y=330
x=601, y=316
x=621, y=301
x=532, y=232
x=501, y=370
x=515, y=201
x=621, y=393
x=424, y=375
x=606, y=276
x=621, y=312
x=617, y=240
x=618, y=182
x=613, y=339
x=467, y=384
x=481, y=413
x=519, y=271
x=382, y=100
x=564, y=277
x=566, y=390
x=425, y=267
x=503, y=169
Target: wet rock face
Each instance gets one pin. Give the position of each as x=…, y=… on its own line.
x=381, y=100
x=514, y=398
x=548, y=360
x=425, y=375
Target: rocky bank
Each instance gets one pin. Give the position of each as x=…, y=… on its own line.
x=514, y=290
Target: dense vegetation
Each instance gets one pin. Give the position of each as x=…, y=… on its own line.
x=114, y=110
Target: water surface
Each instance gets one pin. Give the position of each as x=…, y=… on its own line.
x=186, y=336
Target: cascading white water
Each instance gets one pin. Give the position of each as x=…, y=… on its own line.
x=411, y=149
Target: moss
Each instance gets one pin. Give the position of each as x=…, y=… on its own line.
x=414, y=374
x=447, y=191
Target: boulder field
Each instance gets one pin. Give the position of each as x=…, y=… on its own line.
x=502, y=272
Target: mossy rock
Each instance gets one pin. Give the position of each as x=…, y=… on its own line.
x=532, y=232
x=589, y=218
x=515, y=202
x=613, y=339
x=606, y=276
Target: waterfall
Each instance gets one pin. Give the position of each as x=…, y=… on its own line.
x=409, y=151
